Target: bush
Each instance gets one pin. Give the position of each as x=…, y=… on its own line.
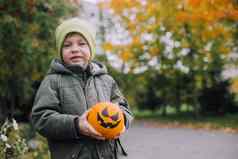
x=217, y=99
x=12, y=144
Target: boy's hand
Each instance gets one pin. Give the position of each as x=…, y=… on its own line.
x=86, y=129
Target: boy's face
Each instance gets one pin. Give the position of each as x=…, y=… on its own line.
x=75, y=50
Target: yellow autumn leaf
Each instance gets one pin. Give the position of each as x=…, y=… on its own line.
x=220, y=14
x=102, y=5
x=182, y=16
x=125, y=55
x=194, y=3
x=140, y=17
x=136, y=40
x=234, y=86
x=233, y=14
x=151, y=9
x=224, y=50
x=34, y=28
x=214, y=32
x=209, y=17
x=151, y=28
x=35, y=75
x=35, y=43
x=154, y=51
x=107, y=46
x=117, y=6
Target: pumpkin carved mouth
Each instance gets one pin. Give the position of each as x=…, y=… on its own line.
x=113, y=118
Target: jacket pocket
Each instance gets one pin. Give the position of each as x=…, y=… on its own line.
x=107, y=150
x=84, y=153
x=72, y=101
x=75, y=153
x=69, y=95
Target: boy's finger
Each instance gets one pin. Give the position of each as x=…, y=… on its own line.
x=93, y=131
x=85, y=114
x=98, y=137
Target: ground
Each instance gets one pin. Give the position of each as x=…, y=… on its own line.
x=143, y=141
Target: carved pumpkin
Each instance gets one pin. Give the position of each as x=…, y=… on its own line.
x=106, y=118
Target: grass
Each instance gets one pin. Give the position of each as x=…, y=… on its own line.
x=226, y=123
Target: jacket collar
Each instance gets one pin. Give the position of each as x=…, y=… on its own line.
x=95, y=68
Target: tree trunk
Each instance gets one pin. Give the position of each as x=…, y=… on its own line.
x=164, y=112
x=3, y=110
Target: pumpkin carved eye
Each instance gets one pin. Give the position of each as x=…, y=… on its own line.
x=115, y=117
x=105, y=112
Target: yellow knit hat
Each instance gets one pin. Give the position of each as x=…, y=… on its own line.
x=79, y=26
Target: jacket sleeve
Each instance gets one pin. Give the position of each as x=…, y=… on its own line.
x=47, y=117
x=118, y=98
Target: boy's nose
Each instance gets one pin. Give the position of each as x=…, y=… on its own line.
x=75, y=49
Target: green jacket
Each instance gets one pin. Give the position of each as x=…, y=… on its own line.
x=65, y=95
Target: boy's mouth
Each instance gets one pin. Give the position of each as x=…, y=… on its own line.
x=76, y=57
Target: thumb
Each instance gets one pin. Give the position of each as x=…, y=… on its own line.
x=93, y=130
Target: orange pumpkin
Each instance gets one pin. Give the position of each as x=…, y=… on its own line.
x=106, y=118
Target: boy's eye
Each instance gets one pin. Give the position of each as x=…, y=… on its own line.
x=82, y=43
x=67, y=45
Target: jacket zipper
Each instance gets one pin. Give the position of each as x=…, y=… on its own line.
x=83, y=88
x=84, y=93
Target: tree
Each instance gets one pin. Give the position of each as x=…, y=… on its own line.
x=188, y=39
x=26, y=46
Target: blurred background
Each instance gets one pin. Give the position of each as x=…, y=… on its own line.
x=174, y=60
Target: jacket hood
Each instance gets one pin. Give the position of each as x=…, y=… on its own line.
x=95, y=68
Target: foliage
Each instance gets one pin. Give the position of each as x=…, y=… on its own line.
x=217, y=99
x=124, y=80
x=226, y=123
x=38, y=148
x=188, y=43
x=26, y=46
x=150, y=97
x=12, y=144
x=20, y=141
x=147, y=23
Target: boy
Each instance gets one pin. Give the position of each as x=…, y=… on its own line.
x=73, y=84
